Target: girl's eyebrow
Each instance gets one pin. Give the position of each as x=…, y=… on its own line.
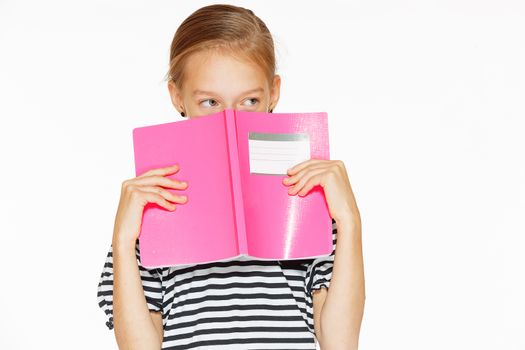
x=201, y=92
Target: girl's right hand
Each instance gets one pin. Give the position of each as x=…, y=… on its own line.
x=136, y=193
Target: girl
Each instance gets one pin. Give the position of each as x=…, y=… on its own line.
x=222, y=56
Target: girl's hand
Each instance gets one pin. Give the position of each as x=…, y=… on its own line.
x=332, y=176
x=139, y=191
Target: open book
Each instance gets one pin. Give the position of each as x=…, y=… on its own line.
x=234, y=163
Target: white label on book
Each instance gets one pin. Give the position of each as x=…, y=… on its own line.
x=273, y=154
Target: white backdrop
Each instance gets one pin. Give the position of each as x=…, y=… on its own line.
x=426, y=107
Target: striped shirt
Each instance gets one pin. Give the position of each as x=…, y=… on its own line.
x=240, y=303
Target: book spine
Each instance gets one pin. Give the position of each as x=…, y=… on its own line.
x=235, y=174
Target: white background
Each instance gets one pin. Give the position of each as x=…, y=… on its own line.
x=426, y=107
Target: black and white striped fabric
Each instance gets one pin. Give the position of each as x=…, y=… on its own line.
x=241, y=303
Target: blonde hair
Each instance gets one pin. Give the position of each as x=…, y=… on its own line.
x=228, y=29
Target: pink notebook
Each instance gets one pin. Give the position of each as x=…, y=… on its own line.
x=234, y=163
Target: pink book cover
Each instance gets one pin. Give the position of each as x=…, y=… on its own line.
x=234, y=162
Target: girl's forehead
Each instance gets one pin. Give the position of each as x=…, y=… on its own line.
x=222, y=73
x=216, y=64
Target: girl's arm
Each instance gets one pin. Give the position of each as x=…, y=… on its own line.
x=134, y=325
x=156, y=316
x=339, y=310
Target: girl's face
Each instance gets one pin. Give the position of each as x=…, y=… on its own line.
x=216, y=81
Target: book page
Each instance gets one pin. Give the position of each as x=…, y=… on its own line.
x=280, y=226
x=202, y=229
x=275, y=153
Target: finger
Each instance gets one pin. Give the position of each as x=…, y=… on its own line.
x=297, y=187
x=302, y=165
x=162, y=171
x=293, y=179
x=181, y=199
x=158, y=180
x=151, y=197
x=313, y=181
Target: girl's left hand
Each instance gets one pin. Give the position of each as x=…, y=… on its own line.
x=332, y=176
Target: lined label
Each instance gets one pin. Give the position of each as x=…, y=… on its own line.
x=273, y=154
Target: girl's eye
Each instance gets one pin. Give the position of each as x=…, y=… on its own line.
x=210, y=99
x=252, y=99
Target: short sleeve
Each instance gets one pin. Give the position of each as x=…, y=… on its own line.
x=151, y=284
x=319, y=272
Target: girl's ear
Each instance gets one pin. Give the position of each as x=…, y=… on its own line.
x=175, y=96
x=275, y=91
